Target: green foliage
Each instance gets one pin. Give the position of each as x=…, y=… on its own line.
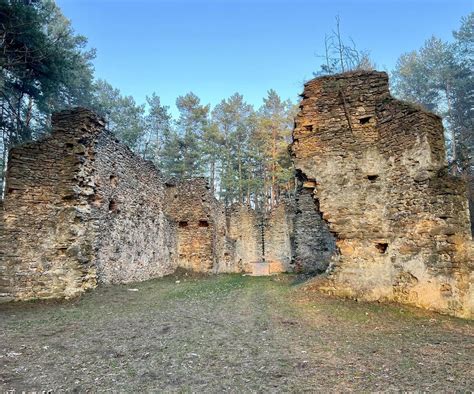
x=440, y=76
x=124, y=117
x=157, y=128
x=44, y=67
x=275, y=126
x=191, y=126
x=235, y=119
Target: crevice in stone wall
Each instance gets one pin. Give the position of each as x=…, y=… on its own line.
x=113, y=207
x=314, y=244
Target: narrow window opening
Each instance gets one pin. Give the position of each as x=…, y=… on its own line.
x=113, y=180
x=365, y=119
x=183, y=224
x=113, y=208
x=382, y=247
x=203, y=223
x=372, y=178
x=308, y=127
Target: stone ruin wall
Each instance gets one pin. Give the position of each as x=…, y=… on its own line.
x=244, y=237
x=374, y=208
x=200, y=221
x=401, y=222
x=45, y=248
x=278, y=237
x=135, y=240
x=80, y=209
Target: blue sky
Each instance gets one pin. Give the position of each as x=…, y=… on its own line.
x=217, y=47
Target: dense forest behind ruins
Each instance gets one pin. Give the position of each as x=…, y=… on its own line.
x=240, y=149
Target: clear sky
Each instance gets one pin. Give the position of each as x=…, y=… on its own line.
x=217, y=47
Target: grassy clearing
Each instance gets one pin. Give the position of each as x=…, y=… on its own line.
x=229, y=333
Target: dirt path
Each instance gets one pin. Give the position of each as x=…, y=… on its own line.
x=229, y=333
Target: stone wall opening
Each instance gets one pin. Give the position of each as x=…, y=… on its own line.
x=314, y=243
x=382, y=247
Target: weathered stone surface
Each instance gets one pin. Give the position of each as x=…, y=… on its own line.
x=134, y=240
x=80, y=209
x=278, y=237
x=314, y=244
x=261, y=268
x=401, y=222
x=200, y=224
x=46, y=248
x=244, y=241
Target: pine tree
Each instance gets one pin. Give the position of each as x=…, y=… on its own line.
x=275, y=125
x=124, y=117
x=157, y=126
x=191, y=125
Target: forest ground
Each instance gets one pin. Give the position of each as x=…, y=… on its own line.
x=229, y=333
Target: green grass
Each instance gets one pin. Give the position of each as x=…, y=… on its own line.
x=229, y=333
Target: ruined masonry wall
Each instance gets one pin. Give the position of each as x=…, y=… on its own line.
x=401, y=222
x=135, y=241
x=46, y=250
x=278, y=238
x=244, y=238
x=70, y=198
x=199, y=223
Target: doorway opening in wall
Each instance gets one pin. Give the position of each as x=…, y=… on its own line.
x=314, y=243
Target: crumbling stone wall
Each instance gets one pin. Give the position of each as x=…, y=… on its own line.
x=200, y=220
x=134, y=240
x=401, y=222
x=244, y=242
x=46, y=248
x=278, y=237
x=79, y=209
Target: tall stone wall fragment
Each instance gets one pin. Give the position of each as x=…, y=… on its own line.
x=278, y=237
x=200, y=224
x=401, y=222
x=80, y=208
x=244, y=237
